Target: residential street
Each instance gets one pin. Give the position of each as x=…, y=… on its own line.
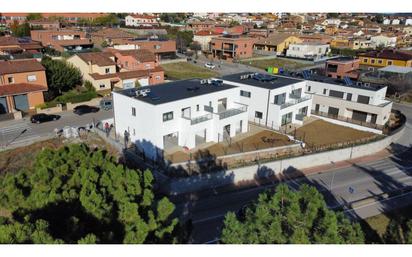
x=21, y=132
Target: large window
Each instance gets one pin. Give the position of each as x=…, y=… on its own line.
x=287, y=118
x=363, y=99
x=280, y=99
x=335, y=93
x=245, y=93
x=258, y=115
x=167, y=116
x=349, y=96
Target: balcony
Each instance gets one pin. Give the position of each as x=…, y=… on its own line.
x=198, y=119
x=226, y=113
x=295, y=101
x=347, y=119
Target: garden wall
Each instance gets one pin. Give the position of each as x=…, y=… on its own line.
x=93, y=102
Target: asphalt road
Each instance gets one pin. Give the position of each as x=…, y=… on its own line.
x=21, y=132
x=367, y=181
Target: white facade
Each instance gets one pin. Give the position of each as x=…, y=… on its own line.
x=408, y=22
x=384, y=41
x=141, y=20
x=331, y=22
x=308, y=51
x=204, y=40
x=273, y=106
x=211, y=117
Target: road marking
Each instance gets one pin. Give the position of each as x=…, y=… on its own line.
x=209, y=218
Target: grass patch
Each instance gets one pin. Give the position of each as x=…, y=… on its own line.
x=321, y=133
x=276, y=62
x=184, y=70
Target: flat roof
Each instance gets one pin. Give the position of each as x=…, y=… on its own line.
x=176, y=90
x=396, y=69
x=261, y=80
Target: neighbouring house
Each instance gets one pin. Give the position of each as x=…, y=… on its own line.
x=348, y=103
x=316, y=38
x=312, y=51
x=385, y=58
x=203, y=38
x=44, y=24
x=22, y=83
x=231, y=47
x=186, y=113
x=141, y=20
x=100, y=68
x=272, y=101
x=361, y=43
x=139, y=59
x=197, y=26
x=342, y=67
x=110, y=36
x=384, y=41
x=163, y=49
x=62, y=40
x=17, y=48
x=276, y=43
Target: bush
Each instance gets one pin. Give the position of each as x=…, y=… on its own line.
x=74, y=97
x=89, y=86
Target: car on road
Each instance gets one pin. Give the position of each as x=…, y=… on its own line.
x=83, y=109
x=42, y=117
x=210, y=65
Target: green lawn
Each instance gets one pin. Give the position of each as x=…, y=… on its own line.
x=276, y=62
x=183, y=70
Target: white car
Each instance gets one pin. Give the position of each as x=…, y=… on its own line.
x=210, y=65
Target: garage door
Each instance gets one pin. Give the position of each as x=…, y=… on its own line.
x=3, y=105
x=360, y=116
x=21, y=102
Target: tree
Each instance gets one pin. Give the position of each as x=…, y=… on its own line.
x=20, y=30
x=104, y=44
x=34, y=16
x=61, y=76
x=78, y=195
x=107, y=20
x=290, y=217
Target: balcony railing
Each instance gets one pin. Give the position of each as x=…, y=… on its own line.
x=231, y=112
x=295, y=101
x=198, y=119
x=300, y=116
x=346, y=119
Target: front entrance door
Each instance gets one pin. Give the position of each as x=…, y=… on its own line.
x=3, y=105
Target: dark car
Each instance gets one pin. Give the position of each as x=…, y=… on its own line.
x=42, y=117
x=83, y=109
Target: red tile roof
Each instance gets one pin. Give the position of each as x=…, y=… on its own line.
x=207, y=33
x=19, y=66
x=98, y=58
x=141, y=55
x=20, y=88
x=143, y=16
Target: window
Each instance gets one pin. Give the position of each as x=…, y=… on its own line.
x=210, y=103
x=349, y=96
x=245, y=93
x=309, y=88
x=102, y=85
x=157, y=77
x=10, y=79
x=287, y=118
x=197, y=107
x=258, y=115
x=390, y=62
x=365, y=60
x=380, y=61
x=363, y=99
x=133, y=111
x=245, y=45
x=334, y=93
x=31, y=78
x=167, y=116
x=325, y=91
x=107, y=70
x=373, y=61
x=134, y=132
x=280, y=99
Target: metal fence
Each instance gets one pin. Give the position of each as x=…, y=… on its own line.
x=347, y=119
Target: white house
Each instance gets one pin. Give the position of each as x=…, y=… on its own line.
x=328, y=22
x=408, y=22
x=141, y=20
x=184, y=113
x=396, y=22
x=308, y=50
x=386, y=22
x=272, y=101
x=384, y=41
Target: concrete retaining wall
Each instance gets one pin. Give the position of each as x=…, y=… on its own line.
x=93, y=102
x=195, y=183
x=50, y=110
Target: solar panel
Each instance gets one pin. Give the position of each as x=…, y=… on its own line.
x=347, y=81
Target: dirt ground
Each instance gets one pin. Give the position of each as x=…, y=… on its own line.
x=261, y=140
x=320, y=132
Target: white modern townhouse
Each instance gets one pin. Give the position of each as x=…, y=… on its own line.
x=272, y=101
x=308, y=50
x=348, y=101
x=184, y=113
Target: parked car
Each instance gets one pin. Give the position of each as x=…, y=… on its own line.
x=210, y=65
x=106, y=104
x=42, y=117
x=83, y=109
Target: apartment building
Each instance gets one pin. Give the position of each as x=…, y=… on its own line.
x=100, y=68
x=184, y=113
x=348, y=101
x=312, y=51
x=276, y=43
x=22, y=83
x=141, y=20
x=231, y=47
x=272, y=101
x=342, y=67
x=62, y=40
x=386, y=57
